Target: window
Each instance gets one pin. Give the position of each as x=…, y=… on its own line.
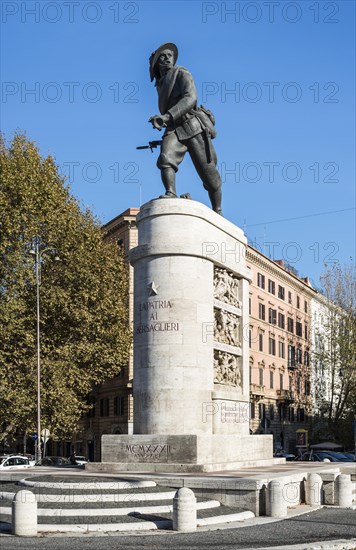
x=272, y=346
x=291, y=356
x=298, y=302
x=290, y=325
x=249, y=337
x=260, y=342
x=305, y=306
x=252, y=410
x=249, y=306
x=104, y=407
x=307, y=387
x=119, y=406
x=271, y=286
x=281, y=411
x=281, y=381
x=306, y=332
x=300, y=415
x=261, y=311
x=281, y=320
x=306, y=358
x=271, y=379
x=260, y=280
x=290, y=383
x=281, y=350
x=291, y=414
x=289, y=297
x=281, y=292
x=299, y=355
x=272, y=316
x=262, y=411
x=260, y=373
x=298, y=329
x=271, y=412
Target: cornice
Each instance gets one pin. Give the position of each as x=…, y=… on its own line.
x=257, y=259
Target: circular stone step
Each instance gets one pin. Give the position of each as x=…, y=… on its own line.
x=63, y=483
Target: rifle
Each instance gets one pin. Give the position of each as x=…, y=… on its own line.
x=151, y=145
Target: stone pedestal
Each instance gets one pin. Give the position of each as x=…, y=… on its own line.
x=191, y=345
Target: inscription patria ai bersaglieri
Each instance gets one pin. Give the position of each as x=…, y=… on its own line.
x=150, y=311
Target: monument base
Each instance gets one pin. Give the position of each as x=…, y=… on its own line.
x=183, y=453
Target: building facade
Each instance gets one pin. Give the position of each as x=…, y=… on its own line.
x=280, y=350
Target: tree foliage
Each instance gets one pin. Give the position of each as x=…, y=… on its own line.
x=85, y=335
x=335, y=352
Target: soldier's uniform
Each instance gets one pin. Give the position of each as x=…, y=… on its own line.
x=185, y=131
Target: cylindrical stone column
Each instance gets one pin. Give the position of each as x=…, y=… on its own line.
x=179, y=242
x=24, y=514
x=276, y=503
x=184, y=510
x=313, y=490
x=343, y=491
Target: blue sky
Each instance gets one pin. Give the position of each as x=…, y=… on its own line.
x=279, y=77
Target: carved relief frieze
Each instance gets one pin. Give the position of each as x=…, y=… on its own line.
x=226, y=287
x=226, y=369
x=227, y=328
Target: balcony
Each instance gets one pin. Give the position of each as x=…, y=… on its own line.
x=284, y=395
x=256, y=389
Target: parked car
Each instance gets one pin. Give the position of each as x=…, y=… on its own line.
x=53, y=461
x=11, y=462
x=350, y=456
x=31, y=458
x=81, y=460
x=324, y=456
x=288, y=456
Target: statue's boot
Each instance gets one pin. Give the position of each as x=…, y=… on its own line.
x=215, y=199
x=169, y=182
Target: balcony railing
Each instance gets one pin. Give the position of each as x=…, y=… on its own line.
x=256, y=389
x=284, y=395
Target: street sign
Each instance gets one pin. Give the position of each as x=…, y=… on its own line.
x=44, y=434
x=34, y=436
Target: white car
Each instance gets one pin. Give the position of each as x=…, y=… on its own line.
x=81, y=460
x=14, y=462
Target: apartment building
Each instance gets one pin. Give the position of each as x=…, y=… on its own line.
x=280, y=350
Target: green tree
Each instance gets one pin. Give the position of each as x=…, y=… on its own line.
x=335, y=353
x=85, y=333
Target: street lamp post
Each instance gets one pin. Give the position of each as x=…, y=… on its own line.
x=38, y=253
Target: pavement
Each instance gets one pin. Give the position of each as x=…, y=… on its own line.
x=327, y=528
x=324, y=529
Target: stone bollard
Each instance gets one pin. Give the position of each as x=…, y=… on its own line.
x=184, y=510
x=277, y=504
x=313, y=490
x=343, y=491
x=24, y=514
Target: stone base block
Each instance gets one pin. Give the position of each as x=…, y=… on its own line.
x=184, y=453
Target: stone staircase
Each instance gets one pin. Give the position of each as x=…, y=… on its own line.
x=69, y=505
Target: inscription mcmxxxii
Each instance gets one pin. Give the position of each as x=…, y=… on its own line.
x=148, y=451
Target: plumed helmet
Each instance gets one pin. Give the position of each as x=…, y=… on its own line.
x=155, y=55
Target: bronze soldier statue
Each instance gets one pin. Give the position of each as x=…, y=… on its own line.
x=188, y=127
